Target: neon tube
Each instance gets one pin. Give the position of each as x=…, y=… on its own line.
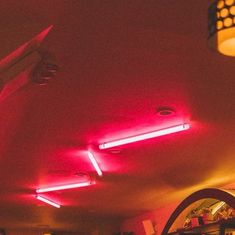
x=145, y=136
x=63, y=187
x=94, y=163
x=43, y=199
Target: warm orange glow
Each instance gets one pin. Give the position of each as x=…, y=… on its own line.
x=217, y=207
x=224, y=12
x=229, y=2
x=228, y=22
x=232, y=10
x=220, y=4
x=222, y=26
x=226, y=41
x=219, y=24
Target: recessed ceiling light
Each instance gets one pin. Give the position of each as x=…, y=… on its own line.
x=165, y=111
x=81, y=174
x=115, y=151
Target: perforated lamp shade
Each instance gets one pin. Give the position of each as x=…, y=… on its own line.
x=222, y=26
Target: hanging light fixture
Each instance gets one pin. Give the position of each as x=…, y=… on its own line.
x=222, y=26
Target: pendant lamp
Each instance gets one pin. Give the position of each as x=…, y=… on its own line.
x=221, y=26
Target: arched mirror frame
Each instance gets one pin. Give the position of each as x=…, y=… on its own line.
x=223, y=195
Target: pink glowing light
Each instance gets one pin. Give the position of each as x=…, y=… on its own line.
x=94, y=163
x=145, y=136
x=63, y=187
x=43, y=199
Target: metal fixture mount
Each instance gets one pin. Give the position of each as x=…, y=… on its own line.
x=45, y=70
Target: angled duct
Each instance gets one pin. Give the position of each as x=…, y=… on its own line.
x=16, y=68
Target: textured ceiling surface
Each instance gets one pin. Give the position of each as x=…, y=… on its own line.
x=119, y=61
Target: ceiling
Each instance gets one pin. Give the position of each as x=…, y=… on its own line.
x=119, y=61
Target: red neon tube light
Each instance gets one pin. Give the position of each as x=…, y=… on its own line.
x=94, y=163
x=63, y=187
x=145, y=136
x=43, y=199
